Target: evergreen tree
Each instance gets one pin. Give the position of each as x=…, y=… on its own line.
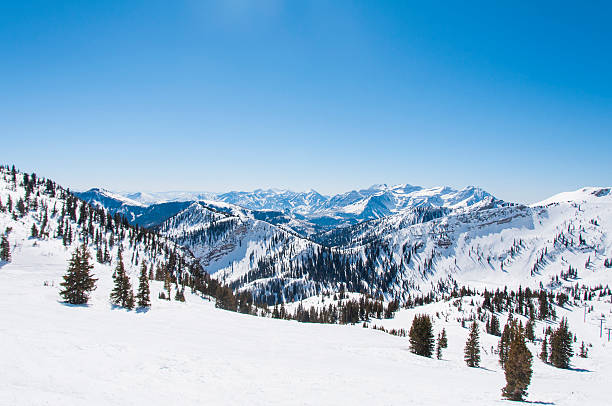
x=561, y=346
x=504, y=345
x=441, y=343
x=494, y=328
x=21, y=207
x=544, y=351
x=421, y=336
x=78, y=282
x=120, y=296
x=529, y=333
x=584, y=352
x=5, y=249
x=225, y=298
x=443, y=339
x=472, y=347
x=144, y=293
x=34, y=231
x=517, y=367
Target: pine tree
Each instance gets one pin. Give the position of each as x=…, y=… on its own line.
x=144, y=293
x=472, y=347
x=517, y=367
x=168, y=283
x=504, y=345
x=494, y=326
x=529, y=333
x=34, y=231
x=443, y=339
x=120, y=296
x=441, y=343
x=584, y=352
x=544, y=351
x=5, y=249
x=421, y=336
x=78, y=282
x=561, y=350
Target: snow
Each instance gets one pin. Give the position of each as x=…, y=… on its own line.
x=192, y=353
x=586, y=194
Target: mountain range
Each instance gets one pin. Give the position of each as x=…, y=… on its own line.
x=392, y=241
x=307, y=213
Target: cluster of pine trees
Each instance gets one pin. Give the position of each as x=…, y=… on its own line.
x=339, y=312
x=557, y=347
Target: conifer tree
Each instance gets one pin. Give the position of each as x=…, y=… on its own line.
x=517, y=367
x=561, y=346
x=441, y=343
x=120, y=296
x=494, y=326
x=144, y=293
x=34, y=231
x=472, y=347
x=5, y=249
x=584, y=352
x=168, y=283
x=504, y=345
x=443, y=339
x=544, y=351
x=529, y=333
x=78, y=282
x=421, y=336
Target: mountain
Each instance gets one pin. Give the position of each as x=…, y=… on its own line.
x=136, y=212
x=415, y=251
x=307, y=213
x=393, y=241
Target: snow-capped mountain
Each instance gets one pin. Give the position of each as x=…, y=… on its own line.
x=390, y=240
x=421, y=250
x=307, y=213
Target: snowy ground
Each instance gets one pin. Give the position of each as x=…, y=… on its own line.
x=193, y=354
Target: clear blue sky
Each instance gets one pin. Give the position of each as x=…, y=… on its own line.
x=515, y=97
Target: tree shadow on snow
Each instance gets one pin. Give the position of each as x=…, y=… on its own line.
x=73, y=305
x=142, y=309
x=579, y=370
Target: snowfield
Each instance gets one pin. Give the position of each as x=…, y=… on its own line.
x=192, y=353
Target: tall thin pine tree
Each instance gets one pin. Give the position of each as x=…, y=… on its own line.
x=472, y=347
x=144, y=292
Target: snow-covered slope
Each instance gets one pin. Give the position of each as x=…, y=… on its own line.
x=192, y=353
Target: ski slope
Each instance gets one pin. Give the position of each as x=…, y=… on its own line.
x=192, y=353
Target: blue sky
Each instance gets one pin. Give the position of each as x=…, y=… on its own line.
x=515, y=97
